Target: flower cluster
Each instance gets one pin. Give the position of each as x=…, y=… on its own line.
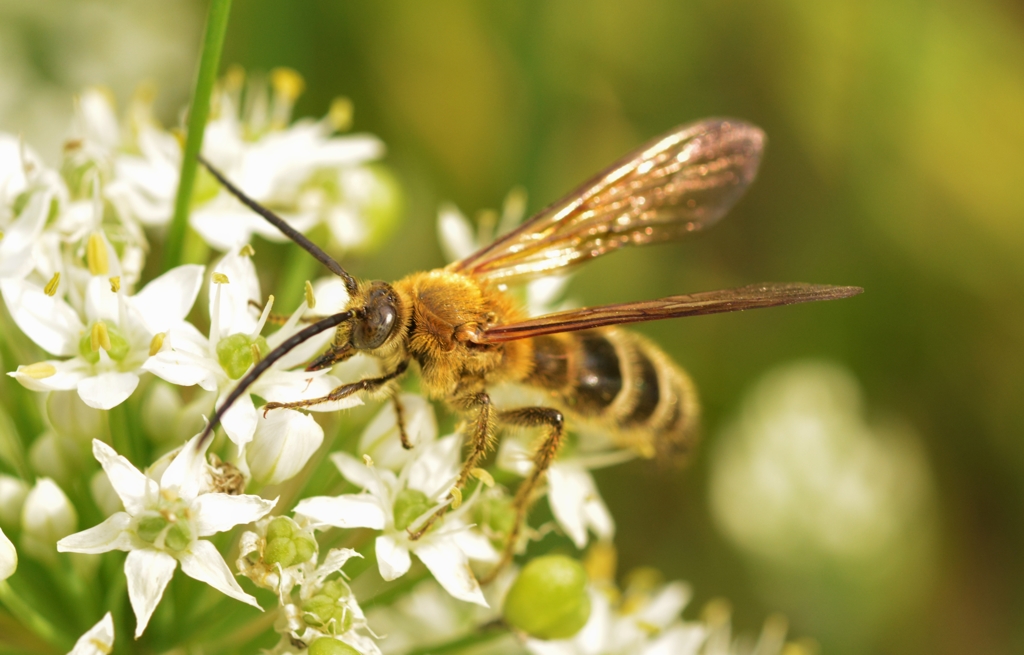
x=128, y=357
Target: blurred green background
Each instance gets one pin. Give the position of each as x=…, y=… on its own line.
x=896, y=136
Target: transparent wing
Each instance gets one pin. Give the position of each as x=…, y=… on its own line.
x=676, y=184
x=695, y=304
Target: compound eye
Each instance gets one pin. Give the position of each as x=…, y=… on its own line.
x=375, y=327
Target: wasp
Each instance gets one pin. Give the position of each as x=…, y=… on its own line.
x=465, y=333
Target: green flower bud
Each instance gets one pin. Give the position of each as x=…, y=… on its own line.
x=328, y=646
x=281, y=527
x=549, y=599
x=305, y=548
x=409, y=504
x=150, y=527
x=280, y=551
x=235, y=353
x=323, y=611
x=334, y=588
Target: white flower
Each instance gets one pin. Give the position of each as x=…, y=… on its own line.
x=28, y=191
x=307, y=175
x=46, y=516
x=12, y=496
x=215, y=363
x=110, y=339
x=8, y=557
x=394, y=503
x=162, y=525
x=281, y=446
x=139, y=162
x=99, y=640
x=643, y=624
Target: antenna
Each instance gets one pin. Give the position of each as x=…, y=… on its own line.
x=288, y=230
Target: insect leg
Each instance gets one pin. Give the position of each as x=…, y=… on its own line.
x=344, y=391
x=529, y=417
x=400, y=419
x=480, y=442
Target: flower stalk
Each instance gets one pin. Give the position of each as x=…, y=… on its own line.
x=209, y=62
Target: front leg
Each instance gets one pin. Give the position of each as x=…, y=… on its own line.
x=344, y=391
x=481, y=440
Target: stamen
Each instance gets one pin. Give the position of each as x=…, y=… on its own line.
x=96, y=255
x=51, y=287
x=115, y=283
x=310, y=298
x=287, y=83
x=247, y=251
x=157, y=343
x=220, y=278
x=38, y=371
x=263, y=317
x=340, y=114
x=483, y=476
x=99, y=338
x=456, y=495
x=255, y=350
x=367, y=460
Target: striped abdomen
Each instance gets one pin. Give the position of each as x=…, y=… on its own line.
x=622, y=381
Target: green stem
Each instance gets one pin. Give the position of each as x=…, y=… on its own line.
x=31, y=619
x=121, y=434
x=482, y=635
x=209, y=63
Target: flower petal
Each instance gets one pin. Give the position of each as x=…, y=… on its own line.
x=136, y=491
x=165, y=301
x=148, y=572
x=112, y=534
x=282, y=444
x=68, y=375
x=356, y=471
x=46, y=320
x=450, y=567
x=185, y=473
x=347, y=511
x=107, y=390
x=202, y=562
x=392, y=558
x=216, y=512
x=239, y=422
x=576, y=503
x=98, y=640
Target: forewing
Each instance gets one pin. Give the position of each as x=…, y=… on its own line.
x=676, y=184
x=695, y=304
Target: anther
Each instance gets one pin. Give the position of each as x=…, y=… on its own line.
x=456, y=495
x=310, y=298
x=51, y=287
x=483, y=476
x=38, y=371
x=220, y=278
x=115, y=283
x=96, y=255
x=287, y=82
x=247, y=251
x=99, y=338
x=367, y=460
x=234, y=78
x=340, y=114
x=157, y=343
